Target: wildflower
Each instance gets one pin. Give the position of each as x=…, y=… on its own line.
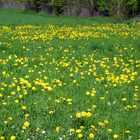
x=26, y=115
x=71, y=75
x=16, y=101
x=124, y=99
x=13, y=93
x=78, y=130
x=100, y=123
x=69, y=100
x=2, y=138
x=82, y=127
x=135, y=95
x=91, y=135
x=134, y=106
x=10, y=118
x=23, y=107
x=109, y=103
x=57, y=101
x=43, y=132
x=80, y=135
x=5, y=122
x=20, y=96
x=115, y=136
x=50, y=112
x=84, y=113
x=0, y=95
x=78, y=115
x=127, y=131
x=94, y=106
x=88, y=109
x=72, y=130
x=105, y=121
x=88, y=114
x=109, y=130
x=12, y=138
x=26, y=123
x=74, y=81
x=92, y=94
x=33, y=88
x=87, y=93
x=57, y=129
x=92, y=126
x=24, y=128
x=102, y=98
x=49, y=88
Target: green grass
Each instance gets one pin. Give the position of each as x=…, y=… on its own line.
x=59, y=67
x=20, y=17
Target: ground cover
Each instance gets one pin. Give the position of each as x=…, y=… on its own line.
x=68, y=78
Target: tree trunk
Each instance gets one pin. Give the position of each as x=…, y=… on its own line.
x=91, y=8
x=118, y=12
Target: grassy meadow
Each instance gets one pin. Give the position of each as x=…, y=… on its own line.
x=68, y=79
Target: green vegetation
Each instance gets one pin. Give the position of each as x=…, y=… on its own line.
x=115, y=8
x=119, y=9
x=67, y=78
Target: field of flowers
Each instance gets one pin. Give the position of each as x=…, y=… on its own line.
x=70, y=82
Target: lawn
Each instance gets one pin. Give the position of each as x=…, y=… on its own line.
x=66, y=78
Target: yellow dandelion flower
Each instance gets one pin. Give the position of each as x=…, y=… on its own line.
x=71, y=75
x=24, y=128
x=10, y=118
x=74, y=81
x=78, y=130
x=12, y=138
x=102, y=98
x=57, y=129
x=80, y=135
x=33, y=88
x=82, y=127
x=127, y=131
x=23, y=107
x=94, y=106
x=115, y=136
x=124, y=99
x=16, y=101
x=87, y=93
x=105, y=121
x=91, y=135
x=5, y=122
x=38, y=129
x=26, y=124
x=88, y=114
x=84, y=113
x=2, y=138
x=50, y=112
x=72, y=130
x=57, y=101
x=78, y=115
x=26, y=115
x=20, y=96
x=49, y=88
x=109, y=130
x=4, y=103
x=69, y=100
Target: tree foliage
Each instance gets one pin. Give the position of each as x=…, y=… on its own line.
x=115, y=8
